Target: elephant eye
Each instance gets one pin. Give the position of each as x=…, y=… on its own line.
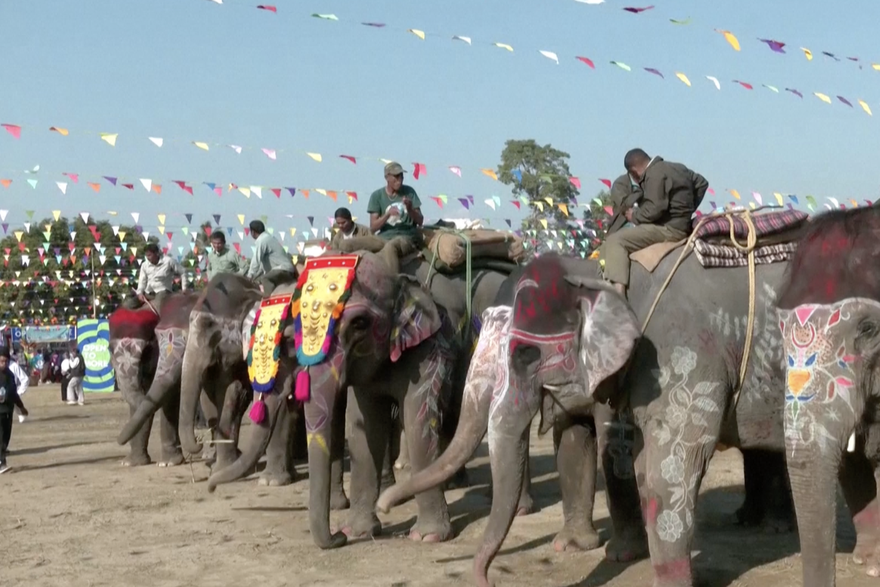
x=790, y=361
x=526, y=354
x=810, y=360
x=360, y=323
x=867, y=328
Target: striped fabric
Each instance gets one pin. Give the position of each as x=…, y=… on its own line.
x=766, y=223
x=710, y=255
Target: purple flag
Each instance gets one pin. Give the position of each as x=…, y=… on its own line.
x=774, y=45
x=654, y=71
x=845, y=101
x=110, y=179
x=795, y=92
x=465, y=203
x=216, y=219
x=292, y=191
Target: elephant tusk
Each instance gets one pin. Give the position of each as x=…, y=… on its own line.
x=851, y=444
x=555, y=388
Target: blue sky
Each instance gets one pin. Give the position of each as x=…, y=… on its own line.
x=192, y=70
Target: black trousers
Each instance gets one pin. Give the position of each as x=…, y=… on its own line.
x=5, y=434
x=64, y=381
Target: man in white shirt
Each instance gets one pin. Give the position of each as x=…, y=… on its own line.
x=157, y=275
x=77, y=366
x=22, y=381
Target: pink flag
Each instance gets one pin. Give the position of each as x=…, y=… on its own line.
x=13, y=129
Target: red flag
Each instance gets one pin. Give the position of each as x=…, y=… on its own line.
x=587, y=61
x=607, y=183
x=419, y=169
x=576, y=182
x=277, y=192
x=267, y=7
x=350, y=158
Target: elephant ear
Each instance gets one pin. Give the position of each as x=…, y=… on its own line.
x=416, y=316
x=609, y=331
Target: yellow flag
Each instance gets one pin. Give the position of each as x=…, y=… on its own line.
x=822, y=97
x=564, y=208
x=161, y=218
x=731, y=39
x=316, y=156
x=735, y=194
x=544, y=223
x=489, y=173
x=241, y=219
x=854, y=203
x=417, y=32
x=62, y=131
x=245, y=191
x=320, y=191
x=200, y=145
x=807, y=53
x=108, y=138
x=549, y=201
x=292, y=232
x=122, y=234
x=56, y=214
x=752, y=205
x=161, y=228
x=539, y=206
x=18, y=235
x=778, y=198
x=504, y=46
x=865, y=107
x=683, y=78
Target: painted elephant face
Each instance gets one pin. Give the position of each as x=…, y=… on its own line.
x=828, y=350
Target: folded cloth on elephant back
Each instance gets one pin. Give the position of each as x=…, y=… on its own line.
x=710, y=255
x=450, y=246
x=766, y=224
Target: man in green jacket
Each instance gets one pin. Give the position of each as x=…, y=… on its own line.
x=271, y=264
x=222, y=259
x=671, y=195
x=624, y=194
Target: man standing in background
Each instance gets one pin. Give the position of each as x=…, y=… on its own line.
x=75, y=394
x=271, y=263
x=222, y=259
x=9, y=400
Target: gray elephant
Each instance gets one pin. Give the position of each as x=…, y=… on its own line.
x=394, y=341
x=144, y=348
x=553, y=346
x=829, y=315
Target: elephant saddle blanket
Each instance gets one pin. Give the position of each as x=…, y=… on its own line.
x=264, y=350
x=775, y=233
x=321, y=292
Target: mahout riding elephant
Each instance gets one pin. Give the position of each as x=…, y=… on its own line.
x=829, y=315
x=553, y=347
x=214, y=369
x=146, y=349
x=393, y=341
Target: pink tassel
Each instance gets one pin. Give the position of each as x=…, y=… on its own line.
x=303, y=386
x=258, y=411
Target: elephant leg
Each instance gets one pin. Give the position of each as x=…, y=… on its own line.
x=138, y=454
x=300, y=442
x=279, y=453
x=226, y=432
x=169, y=415
x=369, y=418
x=859, y=485
x=768, y=500
x=422, y=428
x=388, y=471
x=338, y=499
x=616, y=437
x=575, y=446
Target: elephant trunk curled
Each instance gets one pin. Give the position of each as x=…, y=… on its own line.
x=477, y=398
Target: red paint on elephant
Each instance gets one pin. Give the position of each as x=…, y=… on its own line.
x=125, y=323
x=677, y=571
x=543, y=298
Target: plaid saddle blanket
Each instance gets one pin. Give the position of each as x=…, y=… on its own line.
x=776, y=233
x=766, y=224
x=710, y=255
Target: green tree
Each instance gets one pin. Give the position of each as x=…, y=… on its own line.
x=539, y=177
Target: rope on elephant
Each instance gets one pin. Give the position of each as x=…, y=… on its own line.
x=468, y=319
x=749, y=248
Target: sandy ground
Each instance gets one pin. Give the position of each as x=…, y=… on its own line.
x=70, y=515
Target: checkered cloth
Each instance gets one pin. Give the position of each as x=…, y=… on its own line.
x=766, y=223
x=710, y=255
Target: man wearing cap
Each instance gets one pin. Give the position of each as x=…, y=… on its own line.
x=346, y=228
x=395, y=217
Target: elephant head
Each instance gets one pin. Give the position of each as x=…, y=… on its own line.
x=339, y=340
x=133, y=351
x=550, y=349
x=170, y=336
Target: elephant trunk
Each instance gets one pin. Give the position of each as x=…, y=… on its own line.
x=470, y=431
x=260, y=440
x=508, y=452
x=146, y=409
x=196, y=359
x=320, y=419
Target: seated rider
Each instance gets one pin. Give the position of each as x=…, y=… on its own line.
x=671, y=195
x=156, y=277
x=624, y=193
x=270, y=264
x=347, y=229
x=395, y=217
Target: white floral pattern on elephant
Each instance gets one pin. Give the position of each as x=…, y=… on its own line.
x=819, y=369
x=126, y=353
x=488, y=371
x=434, y=391
x=684, y=427
x=172, y=341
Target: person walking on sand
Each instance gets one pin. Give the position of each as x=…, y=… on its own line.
x=9, y=400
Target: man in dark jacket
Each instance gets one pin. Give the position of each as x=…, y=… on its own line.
x=9, y=400
x=624, y=194
x=671, y=195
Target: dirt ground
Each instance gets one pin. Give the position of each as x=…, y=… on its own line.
x=70, y=515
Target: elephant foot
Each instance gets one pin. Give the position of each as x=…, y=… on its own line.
x=431, y=532
x=750, y=514
x=458, y=481
x=362, y=527
x=526, y=506
x=136, y=460
x=339, y=501
x=778, y=525
x=581, y=539
x=171, y=462
x=627, y=548
x=866, y=544
x=274, y=479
